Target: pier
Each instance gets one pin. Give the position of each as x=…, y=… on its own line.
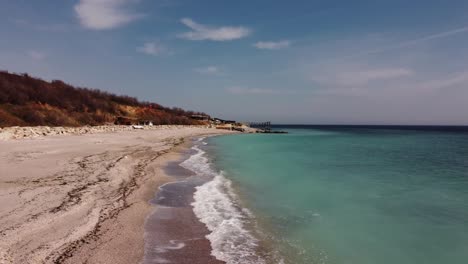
x=265, y=126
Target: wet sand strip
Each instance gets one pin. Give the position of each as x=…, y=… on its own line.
x=173, y=232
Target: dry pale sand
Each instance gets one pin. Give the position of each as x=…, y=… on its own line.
x=82, y=198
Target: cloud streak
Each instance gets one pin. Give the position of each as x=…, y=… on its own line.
x=414, y=42
x=460, y=78
x=209, y=70
x=352, y=75
x=105, y=14
x=366, y=76
x=271, y=45
x=152, y=48
x=239, y=90
x=204, y=32
x=36, y=55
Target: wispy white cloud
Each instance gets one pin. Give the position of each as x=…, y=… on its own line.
x=210, y=70
x=366, y=76
x=413, y=42
x=335, y=78
x=105, y=14
x=380, y=82
x=152, y=48
x=272, y=45
x=37, y=55
x=439, y=35
x=440, y=83
x=252, y=91
x=204, y=32
x=344, y=75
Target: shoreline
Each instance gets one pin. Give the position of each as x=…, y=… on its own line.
x=92, y=189
x=227, y=224
x=235, y=232
x=173, y=234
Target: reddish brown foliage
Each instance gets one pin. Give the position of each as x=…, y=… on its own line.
x=30, y=101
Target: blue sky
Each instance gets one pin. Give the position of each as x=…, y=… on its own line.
x=317, y=62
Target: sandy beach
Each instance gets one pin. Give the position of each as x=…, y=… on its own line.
x=85, y=198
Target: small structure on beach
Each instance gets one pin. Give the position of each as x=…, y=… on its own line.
x=222, y=121
x=248, y=127
x=128, y=121
x=201, y=117
x=225, y=126
x=145, y=122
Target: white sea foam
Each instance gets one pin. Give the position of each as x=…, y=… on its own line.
x=198, y=163
x=174, y=245
x=215, y=204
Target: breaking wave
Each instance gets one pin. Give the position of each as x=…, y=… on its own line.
x=216, y=205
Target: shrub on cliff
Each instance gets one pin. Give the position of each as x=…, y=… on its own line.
x=25, y=100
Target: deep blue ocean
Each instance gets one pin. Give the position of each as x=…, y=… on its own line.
x=339, y=194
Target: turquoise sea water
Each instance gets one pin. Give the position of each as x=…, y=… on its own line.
x=353, y=195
